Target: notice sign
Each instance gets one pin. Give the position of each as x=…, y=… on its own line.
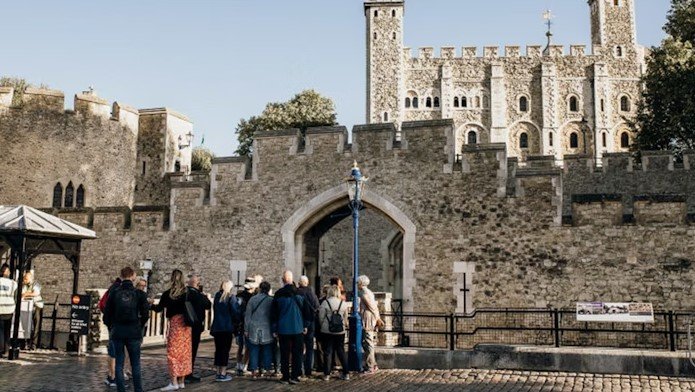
x=79, y=314
x=615, y=312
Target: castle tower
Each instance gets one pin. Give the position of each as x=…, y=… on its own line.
x=613, y=27
x=385, y=64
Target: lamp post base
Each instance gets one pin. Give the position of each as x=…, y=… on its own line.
x=355, y=343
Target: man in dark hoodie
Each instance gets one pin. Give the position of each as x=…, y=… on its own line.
x=291, y=315
x=125, y=314
x=313, y=301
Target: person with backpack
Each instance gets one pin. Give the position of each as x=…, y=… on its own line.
x=224, y=323
x=313, y=301
x=179, y=336
x=111, y=376
x=259, y=338
x=290, y=315
x=125, y=314
x=333, y=314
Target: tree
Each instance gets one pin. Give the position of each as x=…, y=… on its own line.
x=666, y=118
x=306, y=109
x=20, y=86
x=201, y=159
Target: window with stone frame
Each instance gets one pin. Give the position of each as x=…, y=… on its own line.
x=58, y=196
x=477, y=101
x=464, y=102
x=625, y=104
x=456, y=102
x=550, y=139
x=624, y=140
x=79, y=197
x=407, y=102
x=428, y=102
x=619, y=51
x=573, y=104
x=523, y=141
x=472, y=137
x=436, y=102
x=603, y=139
x=523, y=104
x=574, y=140
x=386, y=116
x=69, y=195
x=393, y=13
x=416, y=103
x=376, y=13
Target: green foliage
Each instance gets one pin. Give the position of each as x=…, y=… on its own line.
x=20, y=85
x=666, y=119
x=201, y=159
x=306, y=109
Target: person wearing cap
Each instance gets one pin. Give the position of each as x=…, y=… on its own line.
x=243, y=297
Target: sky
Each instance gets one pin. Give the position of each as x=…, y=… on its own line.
x=220, y=61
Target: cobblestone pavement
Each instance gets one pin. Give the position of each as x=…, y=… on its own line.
x=59, y=372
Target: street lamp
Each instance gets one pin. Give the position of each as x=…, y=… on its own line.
x=186, y=140
x=355, y=186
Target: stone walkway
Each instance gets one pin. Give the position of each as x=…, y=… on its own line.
x=51, y=372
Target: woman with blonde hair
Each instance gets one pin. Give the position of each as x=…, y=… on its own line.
x=333, y=314
x=179, y=343
x=227, y=315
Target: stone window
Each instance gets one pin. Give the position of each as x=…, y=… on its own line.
x=603, y=105
x=624, y=140
x=550, y=139
x=456, y=102
x=394, y=35
x=619, y=51
x=574, y=140
x=464, y=102
x=573, y=104
x=386, y=116
x=57, y=196
x=407, y=102
x=523, y=104
x=375, y=35
x=603, y=139
x=477, y=102
x=393, y=13
x=616, y=3
x=428, y=102
x=144, y=167
x=625, y=104
x=376, y=13
x=436, y=102
x=177, y=166
x=486, y=101
x=472, y=137
x=69, y=195
x=523, y=140
x=79, y=197
x=415, y=103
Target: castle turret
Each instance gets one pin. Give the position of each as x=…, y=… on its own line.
x=385, y=64
x=613, y=27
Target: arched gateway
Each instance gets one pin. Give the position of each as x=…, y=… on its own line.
x=335, y=199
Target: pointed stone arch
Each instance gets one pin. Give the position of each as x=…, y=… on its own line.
x=296, y=226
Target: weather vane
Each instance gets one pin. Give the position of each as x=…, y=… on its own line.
x=548, y=17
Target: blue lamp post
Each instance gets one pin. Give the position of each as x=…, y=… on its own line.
x=355, y=187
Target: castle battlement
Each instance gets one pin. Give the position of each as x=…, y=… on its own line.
x=116, y=219
x=494, y=52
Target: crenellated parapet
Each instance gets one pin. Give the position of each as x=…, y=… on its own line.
x=117, y=219
x=494, y=52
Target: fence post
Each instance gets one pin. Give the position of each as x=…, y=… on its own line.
x=556, y=326
x=671, y=332
x=452, y=333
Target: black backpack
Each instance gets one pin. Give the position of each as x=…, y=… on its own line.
x=335, y=322
x=125, y=305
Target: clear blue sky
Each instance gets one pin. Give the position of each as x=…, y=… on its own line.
x=220, y=61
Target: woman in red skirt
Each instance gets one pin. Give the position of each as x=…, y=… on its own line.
x=179, y=345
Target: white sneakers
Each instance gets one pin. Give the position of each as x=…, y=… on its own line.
x=173, y=387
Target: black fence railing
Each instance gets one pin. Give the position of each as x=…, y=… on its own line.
x=540, y=327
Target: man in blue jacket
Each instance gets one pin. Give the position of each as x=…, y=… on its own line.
x=291, y=318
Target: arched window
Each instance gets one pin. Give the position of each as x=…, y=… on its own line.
x=618, y=51
x=177, y=166
x=386, y=116
x=456, y=102
x=486, y=101
x=428, y=102
x=415, y=103
x=574, y=140
x=624, y=140
x=603, y=139
x=523, y=104
x=624, y=104
x=79, y=197
x=376, y=13
x=523, y=140
x=393, y=13
x=69, y=195
x=464, y=102
x=574, y=104
x=472, y=137
x=436, y=102
x=477, y=102
x=550, y=139
x=57, y=196
x=407, y=102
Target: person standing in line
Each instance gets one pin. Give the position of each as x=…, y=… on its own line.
x=290, y=312
x=243, y=297
x=201, y=303
x=226, y=315
x=31, y=290
x=141, y=285
x=126, y=313
x=318, y=355
x=259, y=338
x=313, y=302
x=369, y=311
x=8, y=290
x=111, y=376
x=336, y=281
x=179, y=340
x=333, y=314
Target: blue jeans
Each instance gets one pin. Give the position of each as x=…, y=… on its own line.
x=133, y=347
x=266, y=352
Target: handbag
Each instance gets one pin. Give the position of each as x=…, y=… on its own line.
x=189, y=315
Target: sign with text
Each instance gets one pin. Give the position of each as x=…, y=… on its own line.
x=626, y=312
x=80, y=306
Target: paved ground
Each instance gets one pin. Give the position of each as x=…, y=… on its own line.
x=54, y=372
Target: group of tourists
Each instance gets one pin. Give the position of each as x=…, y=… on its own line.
x=31, y=291
x=293, y=321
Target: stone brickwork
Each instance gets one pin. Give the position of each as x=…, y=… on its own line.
x=564, y=94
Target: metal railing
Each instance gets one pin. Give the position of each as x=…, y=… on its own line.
x=539, y=327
